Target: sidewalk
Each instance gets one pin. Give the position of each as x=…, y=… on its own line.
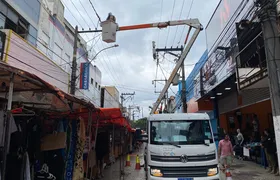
x=246, y=170
x=113, y=172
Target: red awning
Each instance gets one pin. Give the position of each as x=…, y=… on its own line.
x=104, y=116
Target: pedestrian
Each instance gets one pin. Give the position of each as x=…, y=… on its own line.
x=102, y=149
x=270, y=151
x=256, y=127
x=240, y=137
x=225, y=152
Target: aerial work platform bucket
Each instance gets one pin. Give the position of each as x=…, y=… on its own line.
x=109, y=29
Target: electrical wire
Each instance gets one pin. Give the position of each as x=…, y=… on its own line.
x=87, y=14
x=179, y=19
x=79, y=13
x=160, y=20
x=187, y=18
x=42, y=43
x=174, y=2
x=95, y=11
x=232, y=32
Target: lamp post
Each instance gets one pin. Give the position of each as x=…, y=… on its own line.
x=74, y=62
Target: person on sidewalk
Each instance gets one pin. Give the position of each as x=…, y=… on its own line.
x=102, y=149
x=240, y=137
x=270, y=151
x=225, y=151
x=238, y=148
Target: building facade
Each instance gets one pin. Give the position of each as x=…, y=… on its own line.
x=22, y=17
x=233, y=81
x=110, y=97
x=56, y=41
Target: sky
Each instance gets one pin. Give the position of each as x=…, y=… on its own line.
x=131, y=67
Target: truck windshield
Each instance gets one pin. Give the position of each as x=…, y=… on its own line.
x=181, y=132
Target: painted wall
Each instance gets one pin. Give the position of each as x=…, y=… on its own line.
x=109, y=100
x=56, y=40
x=262, y=109
x=93, y=93
x=25, y=56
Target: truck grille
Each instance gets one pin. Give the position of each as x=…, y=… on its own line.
x=178, y=158
x=171, y=172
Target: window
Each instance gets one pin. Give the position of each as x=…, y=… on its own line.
x=91, y=81
x=181, y=132
x=2, y=21
x=57, y=54
x=99, y=87
x=96, y=85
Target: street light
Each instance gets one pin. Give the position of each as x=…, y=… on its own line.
x=116, y=45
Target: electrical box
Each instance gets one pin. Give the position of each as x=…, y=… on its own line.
x=109, y=29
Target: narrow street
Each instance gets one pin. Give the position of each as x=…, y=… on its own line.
x=241, y=170
x=113, y=172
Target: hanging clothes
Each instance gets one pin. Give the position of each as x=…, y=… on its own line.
x=78, y=163
x=71, y=148
x=27, y=174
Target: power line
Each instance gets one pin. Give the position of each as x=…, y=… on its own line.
x=95, y=11
x=174, y=2
x=79, y=13
x=179, y=19
x=160, y=20
x=187, y=18
x=87, y=13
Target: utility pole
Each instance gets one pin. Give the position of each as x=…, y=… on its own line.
x=170, y=51
x=123, y=98
x=267, y=15
x=198, y=27
x=74, y=64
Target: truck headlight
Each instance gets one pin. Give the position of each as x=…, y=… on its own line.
x=212, y=171
x=156, y=172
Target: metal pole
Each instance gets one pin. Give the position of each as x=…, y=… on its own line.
x=272, y=45
x=74, y=64
x=175, y=70
x=89, y=138
x=184, y=98
x=7, y=126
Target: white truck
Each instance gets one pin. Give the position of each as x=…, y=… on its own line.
x=180, y=147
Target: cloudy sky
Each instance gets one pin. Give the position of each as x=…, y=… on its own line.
x=130, y=67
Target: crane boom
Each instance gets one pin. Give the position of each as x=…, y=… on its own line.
x=190, y=22
x=198, y=27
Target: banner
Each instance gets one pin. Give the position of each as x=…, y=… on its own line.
x=84, y=80
x=218, y=68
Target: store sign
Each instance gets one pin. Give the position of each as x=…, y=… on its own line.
x=217, y=69
x=219, y=20
x=197, y=93
x=84, y=80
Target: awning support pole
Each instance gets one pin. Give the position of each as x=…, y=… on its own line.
x=7, y=126
x=89, y=139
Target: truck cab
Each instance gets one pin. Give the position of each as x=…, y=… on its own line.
x=180, y=147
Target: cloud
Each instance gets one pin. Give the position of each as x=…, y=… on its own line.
x=131, y=67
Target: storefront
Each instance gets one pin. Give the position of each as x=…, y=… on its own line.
x=52, y=134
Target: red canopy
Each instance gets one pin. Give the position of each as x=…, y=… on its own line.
x=104, y=116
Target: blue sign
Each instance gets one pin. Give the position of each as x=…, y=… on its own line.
x=84, y=80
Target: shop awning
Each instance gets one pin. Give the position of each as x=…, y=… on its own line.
x=104, y=116
x=30, y=90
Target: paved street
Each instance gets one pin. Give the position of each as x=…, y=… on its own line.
x=242, y=170
x=113, y=172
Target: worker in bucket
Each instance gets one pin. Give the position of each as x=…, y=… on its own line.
x=225, y=152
